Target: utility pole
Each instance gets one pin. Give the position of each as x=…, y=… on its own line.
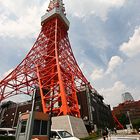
x=128, y=113
x=50, y=118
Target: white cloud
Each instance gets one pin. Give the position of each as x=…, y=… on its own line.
x=19, y=7
x=99, y=8
x=112, y=95
x=13, y=7
x=113, y=81
x=22, y=27
x=114, y=62
x=25, y=20
x=97, y=74
x=132, y=47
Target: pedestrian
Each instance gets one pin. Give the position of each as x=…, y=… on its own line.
x=139, y=130
x=106, y=129
x=105, y=134
x=115, y=130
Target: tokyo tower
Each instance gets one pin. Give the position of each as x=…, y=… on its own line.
x=49, y=66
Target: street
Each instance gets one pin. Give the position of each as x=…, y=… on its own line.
x=122, y=138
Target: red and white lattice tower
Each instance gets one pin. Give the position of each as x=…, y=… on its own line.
x=50, y=65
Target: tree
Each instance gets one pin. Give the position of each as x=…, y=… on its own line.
x=123, y=119
x=136, y=123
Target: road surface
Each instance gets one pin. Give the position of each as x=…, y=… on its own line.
x=122, y=138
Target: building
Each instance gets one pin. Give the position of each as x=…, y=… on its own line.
x=94, y=112
x=127, y=112
x=10, y=113
x=127, y=97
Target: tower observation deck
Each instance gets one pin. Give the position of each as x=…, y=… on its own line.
x=56, y=8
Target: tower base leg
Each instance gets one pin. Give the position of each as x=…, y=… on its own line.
x=73, y=125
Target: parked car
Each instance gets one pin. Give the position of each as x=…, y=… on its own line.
x=62, y=135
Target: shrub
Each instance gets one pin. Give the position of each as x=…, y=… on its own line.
x=7, y=138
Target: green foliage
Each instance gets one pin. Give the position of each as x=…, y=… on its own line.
x=123, y=119
x=136, y=123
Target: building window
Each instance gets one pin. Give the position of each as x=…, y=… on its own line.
x=37, y=107
x=92, y=108
x=44, y=127
x=23, y=126
x=40, y=127
x=36, y=128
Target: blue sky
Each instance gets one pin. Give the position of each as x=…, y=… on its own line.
x=104, y=35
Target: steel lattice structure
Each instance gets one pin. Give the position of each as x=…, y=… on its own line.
x=50, y=65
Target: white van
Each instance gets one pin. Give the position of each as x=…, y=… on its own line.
x=61, y=135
